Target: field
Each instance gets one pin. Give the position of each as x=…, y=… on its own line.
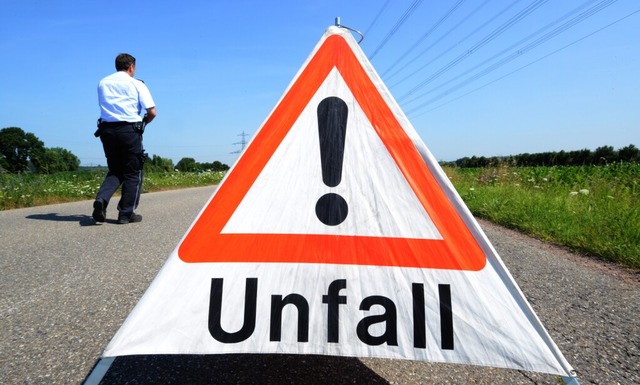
x=591, y=209
x=25, y=190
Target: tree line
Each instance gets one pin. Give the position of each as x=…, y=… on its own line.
x=158, y=164
x=22, y=151
x=601, y=156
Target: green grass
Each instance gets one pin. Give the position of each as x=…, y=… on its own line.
x=26, y=190
x=591, y=209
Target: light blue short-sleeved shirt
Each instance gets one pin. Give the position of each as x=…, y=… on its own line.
x=123, y=98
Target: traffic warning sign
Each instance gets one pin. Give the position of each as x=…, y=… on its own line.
x=333, y=172
x=337, y=232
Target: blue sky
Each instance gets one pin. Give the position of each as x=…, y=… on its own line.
x=475, y=77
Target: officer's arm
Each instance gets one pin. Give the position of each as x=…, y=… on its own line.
x=151, y=114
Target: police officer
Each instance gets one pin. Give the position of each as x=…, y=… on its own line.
x=122, y=100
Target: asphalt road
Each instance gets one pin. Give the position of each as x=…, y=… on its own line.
x=67, y=285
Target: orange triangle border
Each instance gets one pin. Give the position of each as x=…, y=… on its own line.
x=205, y=242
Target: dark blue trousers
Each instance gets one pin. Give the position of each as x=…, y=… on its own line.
x=123, y=148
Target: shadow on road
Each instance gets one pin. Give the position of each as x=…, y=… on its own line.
x=277, y=369
x=83, y=220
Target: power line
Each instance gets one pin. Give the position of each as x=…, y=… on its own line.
x=444, y=35
x=376, y=18
x=397, y=26
x=472, y=33
x=522, y=50
x=427, y=34
x=524, y=66
x=495, y=33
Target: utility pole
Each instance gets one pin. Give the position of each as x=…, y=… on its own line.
x=243, y=143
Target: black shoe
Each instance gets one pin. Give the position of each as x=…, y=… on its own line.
x=99, y=210
x=123, y=220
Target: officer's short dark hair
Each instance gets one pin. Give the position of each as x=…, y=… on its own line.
x=124, y=61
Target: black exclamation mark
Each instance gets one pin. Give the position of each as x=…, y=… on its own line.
x=331, y=208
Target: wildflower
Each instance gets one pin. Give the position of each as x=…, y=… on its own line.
x=573, y=193
x=584, y=191
x=472, y=189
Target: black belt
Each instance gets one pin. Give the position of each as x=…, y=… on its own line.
x=116, y=124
